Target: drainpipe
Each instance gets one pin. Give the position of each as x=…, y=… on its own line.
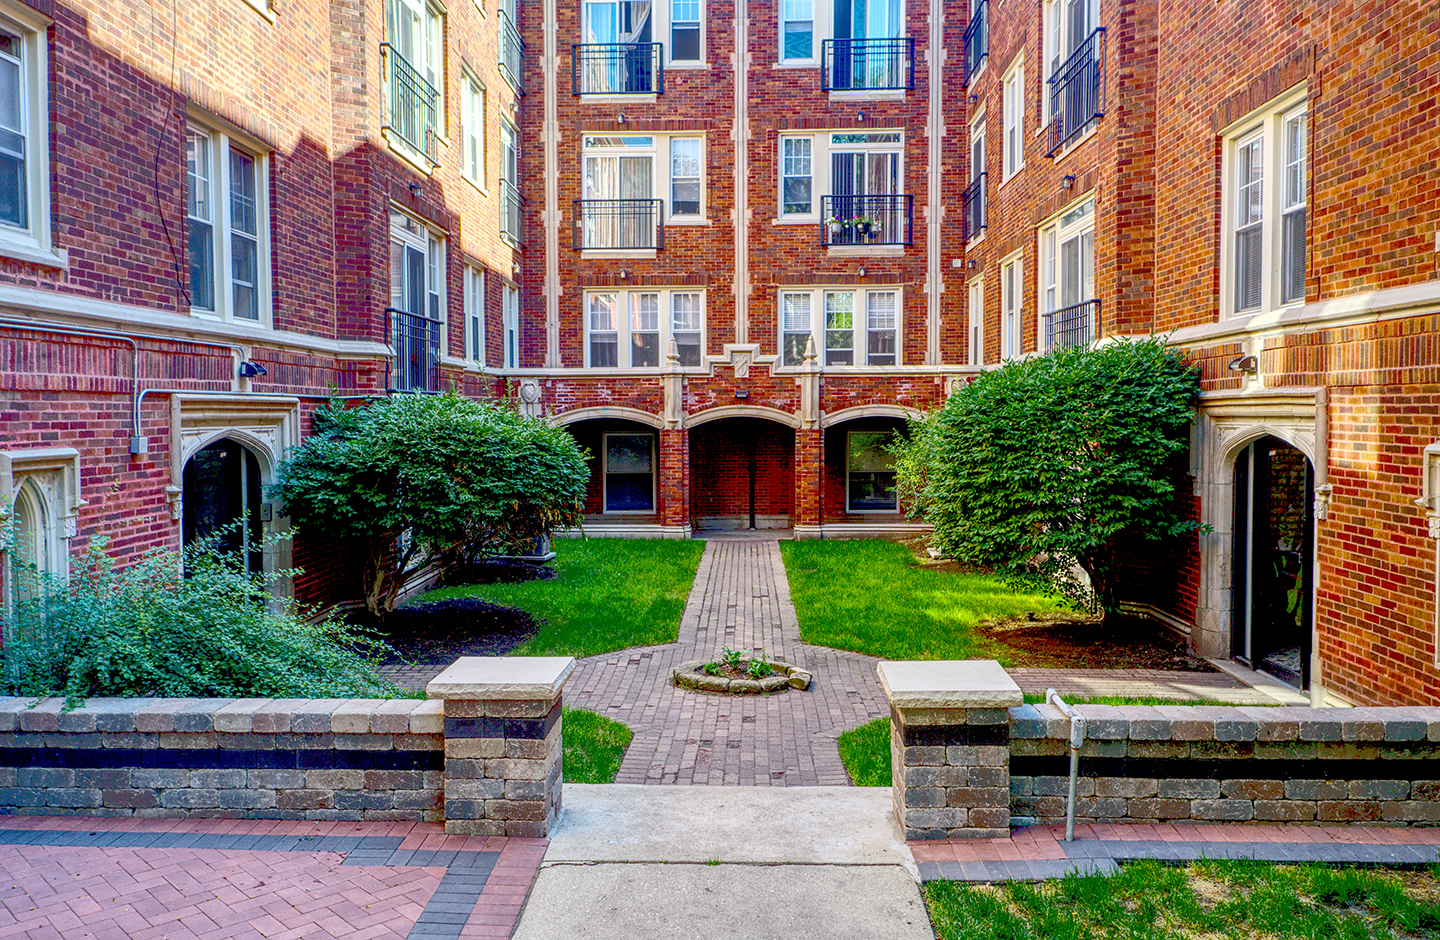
x=1077, y=738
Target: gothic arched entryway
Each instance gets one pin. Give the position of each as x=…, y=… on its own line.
x=223, y=500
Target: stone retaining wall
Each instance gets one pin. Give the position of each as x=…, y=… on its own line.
x=274, y=759
x=1212, y=764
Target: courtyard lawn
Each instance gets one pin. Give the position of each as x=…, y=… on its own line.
x=872, y=596
x=609, y=594
x=594, y=746
x=1237, y=900
x=865, y=752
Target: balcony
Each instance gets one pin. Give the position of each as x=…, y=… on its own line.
x=867, y=64
x=1076, y=325
x=977, y=39
x=1077, y=92
x=511, y=203
x=866, y=220
x=414, y=105
x=973, y=213
x=619, y=224
x=512, y=51
x=416, y=341
x=634, y=68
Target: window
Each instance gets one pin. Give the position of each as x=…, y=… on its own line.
x=629, y=473
x=510, y=201
x=1263, y=253
x=796, y=185
x=1067, y=278
x=475, y=314
x=1068, y=23
x=1012, y=288
x=510, y=324
x=633, y=329
x=870, y=473
x=975, y=332
x=861, y=181
x=227, y=222
x=797, y=34
x=685, y=30
x=417, y=302
x=472, y=127
x=24, y=139
x=1014, y=143
x=685, y=177
x=415, y=54
x=843, y=321
x=617, y=55
x=974, y=202
x=43, y=489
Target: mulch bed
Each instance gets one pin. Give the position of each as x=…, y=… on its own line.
x=1063, y=641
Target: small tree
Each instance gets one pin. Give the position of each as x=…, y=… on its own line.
x=1046, y=464
x=422, y=478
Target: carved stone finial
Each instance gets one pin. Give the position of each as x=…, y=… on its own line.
x=810, y=354
x=673, y=353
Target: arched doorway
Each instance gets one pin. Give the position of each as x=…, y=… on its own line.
x=742, y=474
x=223, y=501
x=1274, y=560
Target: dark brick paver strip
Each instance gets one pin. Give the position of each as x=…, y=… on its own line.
x=208, y=879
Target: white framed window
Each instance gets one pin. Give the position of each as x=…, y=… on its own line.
x=629, y=472
x=1012, y=292
x=227, y=220
x=1013, y=145
x=686, y=191
x=797, y=31
x=686, y=44
x=472, y=131
x=870, y=473
x=1067, y=278
x=417, y=268
x=850, y=326
x=510, y=324
x=415, y=76
x=633, y=329
x=1067, y=25
x=25, y=228
x=833, y=175
x=1265, y=183
x=975, y=195
x=975, y=328
x=510, y=202
x=475, y=314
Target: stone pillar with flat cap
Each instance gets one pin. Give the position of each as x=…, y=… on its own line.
x=950, y=747
x=502, y=743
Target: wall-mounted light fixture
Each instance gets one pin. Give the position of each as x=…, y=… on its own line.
x=249, y=370
x=860, y=116
x=1068, y=182
x=742, y=393
x=970, y=264
x=974, y=98
x=620, y=118
x=1247, y=364
x=416, y=191
x=862, y=270
x=624, y=274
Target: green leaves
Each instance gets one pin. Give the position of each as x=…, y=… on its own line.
x=1038, y=468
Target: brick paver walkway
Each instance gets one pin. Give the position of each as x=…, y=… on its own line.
x=208, y=879
x=1040, y=852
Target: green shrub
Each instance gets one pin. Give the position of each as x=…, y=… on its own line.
x=148, y=630
x=1045, y=465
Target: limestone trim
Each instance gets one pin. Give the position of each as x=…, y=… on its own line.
x=869, y=411
x=742, y=411
x=607, y=411
x=935, y=56
x=54, y=475
x=550, y=214
x=740, y=136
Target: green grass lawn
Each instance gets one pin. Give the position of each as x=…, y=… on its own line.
x=594, y=746
x=610, y=594
x=1208, y=900
x=872, y=596
x=865, y=752
x=1035, y=698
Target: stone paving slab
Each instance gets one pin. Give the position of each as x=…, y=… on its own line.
x=207, y=879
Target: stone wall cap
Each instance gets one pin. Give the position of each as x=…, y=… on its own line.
x=478, y=678
x=968, y=683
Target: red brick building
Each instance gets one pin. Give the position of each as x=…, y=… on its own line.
x=731, y=246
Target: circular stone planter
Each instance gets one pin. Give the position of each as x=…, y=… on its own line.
x=691, y=675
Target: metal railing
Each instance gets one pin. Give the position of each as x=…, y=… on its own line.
x=1076, y=325
x=414, y=105
x=416, y=341
x=511, y=203
x=866, y=220
x=618, y=68
x=619, y=223
x=973, y=214
x=867, y=64
x=977, y=39
x=1077, y=92
x=512, y=51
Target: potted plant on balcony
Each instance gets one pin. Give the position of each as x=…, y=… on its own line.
x=864, y=225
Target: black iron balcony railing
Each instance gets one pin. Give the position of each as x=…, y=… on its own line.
x=416, y=341
x=512, y=51
x=618, y=68
x=510, y=215
x=1077, y=92
x=1076, y=325
x=977, y=39
x=866, y=220
x=619, y=223
x=867, y=64
x=974, y=207
x=414, y=105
